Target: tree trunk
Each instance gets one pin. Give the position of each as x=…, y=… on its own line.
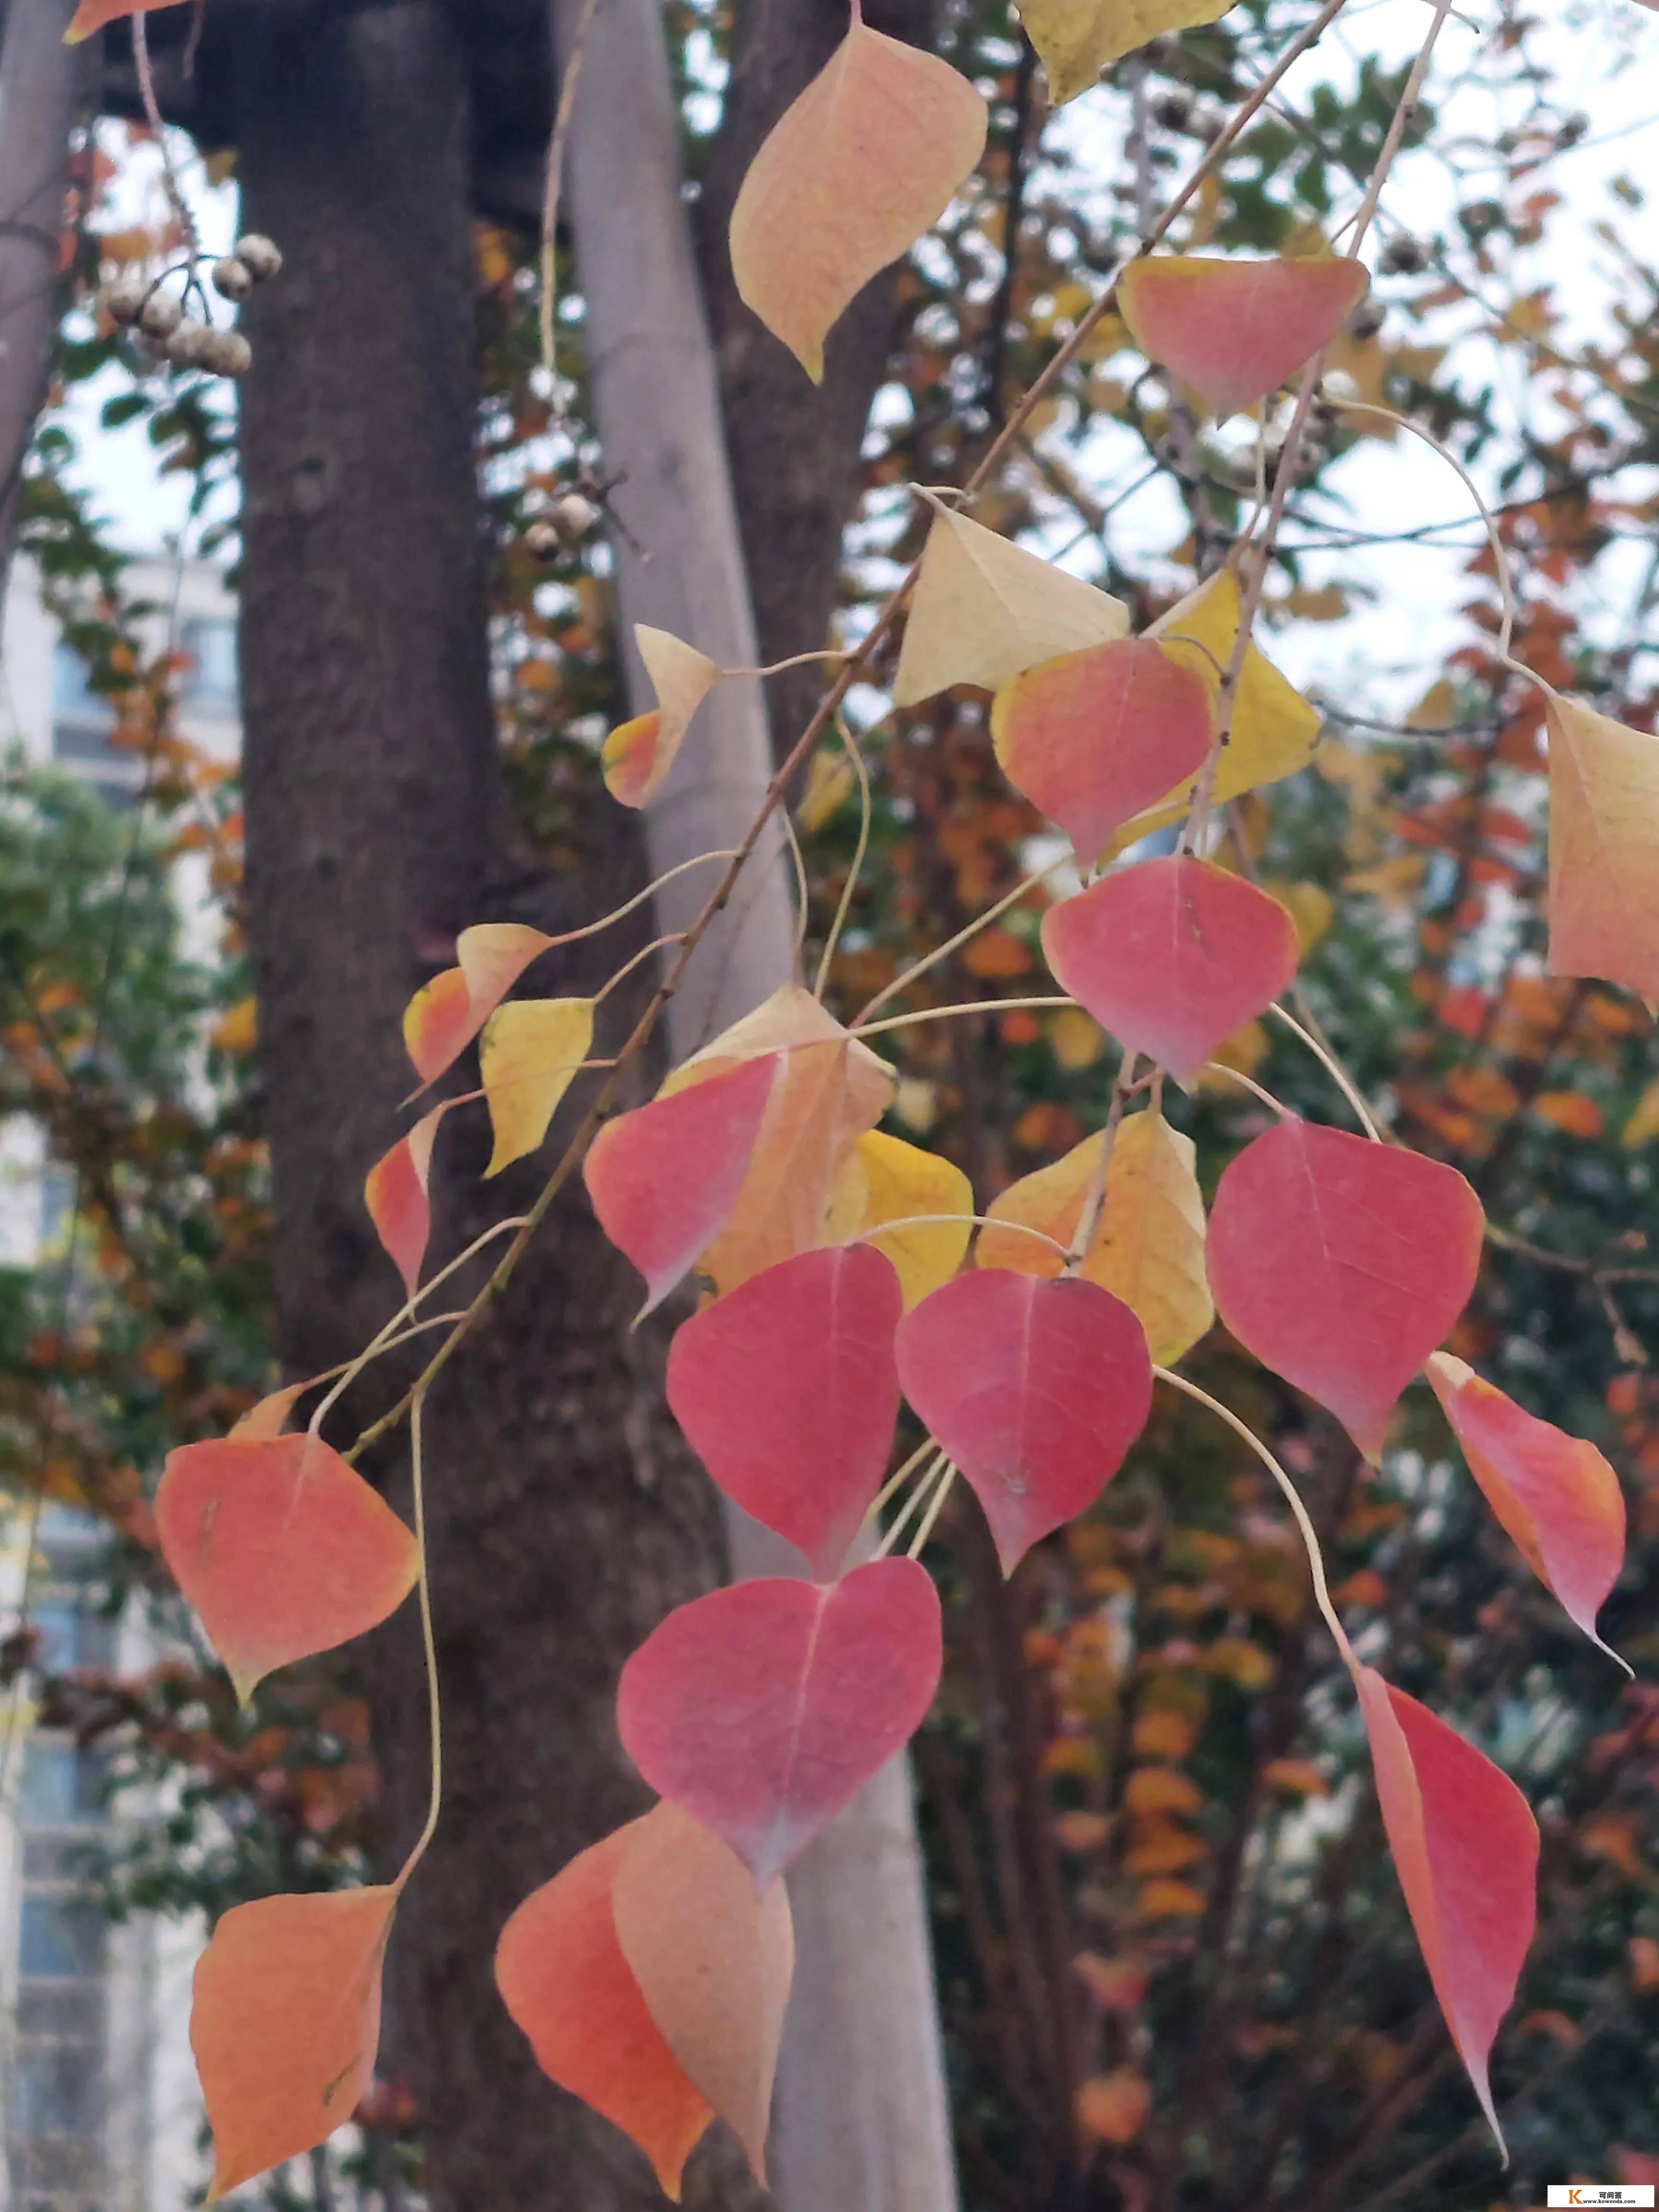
x=40, y=81
x=860, y=2123
x=565, y=1518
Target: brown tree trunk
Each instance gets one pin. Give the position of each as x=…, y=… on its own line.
x=565, y=1518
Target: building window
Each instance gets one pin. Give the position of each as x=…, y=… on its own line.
x=211, y=678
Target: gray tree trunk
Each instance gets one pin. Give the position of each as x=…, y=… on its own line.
x=862, y=2123
x=39, y=87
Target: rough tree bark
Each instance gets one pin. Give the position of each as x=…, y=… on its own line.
x=860, y=2122
x=565, y=1518
x=40, y=79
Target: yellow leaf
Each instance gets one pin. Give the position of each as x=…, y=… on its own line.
x=1161, y=1790
x=1163, y=1848
x=638, y=755
x=829, y=779
x=1148, y=1248
x=1076, y=1041
x=1274, y=730
x=1295, y=1777
x=1162, y=1735
x=1076, y=39
x=1642, y=1126
x=237, y=1031
x=530, y=1051
x=1310, y=908
x=1165, y=1900
x=985, y=611
x=864, y=162
x=884, y=1179
x=1604, y=849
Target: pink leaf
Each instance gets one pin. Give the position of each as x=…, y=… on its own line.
x=664, y=1179
x=1171, y=957
x=788, y=1391
x=395, y=1193
x=446, y=1014
x=1342, y=1264
x=1466, y=1848
x=1236, y=331
x=1036, y=1389
x=765, y=1708
x=1555, y=1494
x=1095, y=738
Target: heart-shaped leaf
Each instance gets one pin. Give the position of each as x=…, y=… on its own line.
x=788, y=1392
x=528, y=1057
x=1036, y=1389
x=285, y=2022
x=1078, y=39
x=1555, y=1494
x=665, y=1178
x=446, y=1014
x=1342, y=1264
x=1148, y=1249
x=1236, y=331
x=1466, y=1848
x=713, y=1961
x=396, y=1192
x=1096, y=737
x=854, y=171
x=765, y=1708
x=985, y=609
x=1604, y=849
x=281, y=1548
x=1172, y=956
x=638, y=755
x=562, y=1976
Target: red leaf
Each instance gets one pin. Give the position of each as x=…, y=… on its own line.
x=713, y=1961
x=765, y=1708
x=1172, y=956
x=1555, y=1494
x=446, y=1014
x=1095, y=736
x=284, y=2022
x=395, y=1193
x=1342, y=1264
x=282, y=1549
x=1466, y=1848
x=1236, y=331
x=788, y=1391
x=1036, y=1389
x=562, y=1976
x=664, y=1179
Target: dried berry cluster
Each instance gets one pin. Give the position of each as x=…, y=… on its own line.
x=171, y=334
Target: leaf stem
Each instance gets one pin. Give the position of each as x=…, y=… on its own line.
x=846, y=906
x=936, y=1472
x=423, y=1588
x=919, y=1541
x=1333, y=1067
x=862, y=1028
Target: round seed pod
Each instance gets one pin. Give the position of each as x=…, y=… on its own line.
x=1404, y=256
x=544, y=540
x=573, y=516
x=187, y=347
x=227, y=353
x=122, y=297
x=260, y=256
x=161, y=315
x=232, y=278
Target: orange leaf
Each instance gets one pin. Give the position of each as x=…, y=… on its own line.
x=1571, y=1112
x=1236, y=331
x=638, y=755
x=854, y=171
x=282, y=1549
x=92, y=16
x=562, y=1976
x=269, y=1416
x=712, y=1961
x=285, y=2020
x=1603, y=848
x=1465, y=1846
x=1555, y=1494
x=1114, y=2107
x=444, y=1015
x=395, y=1193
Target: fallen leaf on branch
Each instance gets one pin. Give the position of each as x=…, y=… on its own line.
x=854, y=171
